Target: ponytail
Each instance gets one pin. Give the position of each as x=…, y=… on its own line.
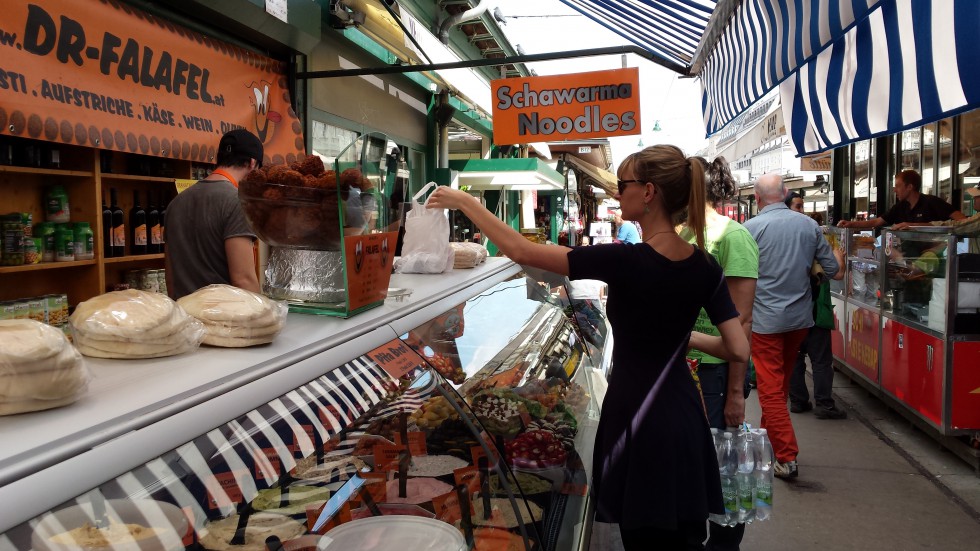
x=696, y=201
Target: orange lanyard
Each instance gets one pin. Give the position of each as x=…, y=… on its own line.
x=231, y=178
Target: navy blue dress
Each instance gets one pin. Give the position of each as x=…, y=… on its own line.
x=654, y=463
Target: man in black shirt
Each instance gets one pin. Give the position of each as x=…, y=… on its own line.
x=911, y=205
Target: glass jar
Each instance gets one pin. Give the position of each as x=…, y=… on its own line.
x=56, y=205
x=84, y=241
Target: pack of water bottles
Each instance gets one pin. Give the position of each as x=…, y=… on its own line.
x=745, y=461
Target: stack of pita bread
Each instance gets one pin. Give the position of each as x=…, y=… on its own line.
x=39, y=368
x=468, y=255
x=234, y=317
x=134, y=324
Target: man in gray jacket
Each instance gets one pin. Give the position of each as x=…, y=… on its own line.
x=782, y=313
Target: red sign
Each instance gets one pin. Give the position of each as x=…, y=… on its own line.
x=273, y=457
x=386, y=457
x=107, y=75
x=231, y=491
x=416, y=442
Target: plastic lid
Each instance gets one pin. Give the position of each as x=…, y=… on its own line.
x=393, y=533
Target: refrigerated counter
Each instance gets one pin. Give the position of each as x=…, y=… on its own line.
x=908, y=323
x=473, y=400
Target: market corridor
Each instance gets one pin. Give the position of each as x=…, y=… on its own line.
x=870, y=482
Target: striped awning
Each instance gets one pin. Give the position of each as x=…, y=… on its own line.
x=847, y=69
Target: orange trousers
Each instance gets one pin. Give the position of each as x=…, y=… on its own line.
x=774, y=357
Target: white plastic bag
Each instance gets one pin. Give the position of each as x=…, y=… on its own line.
x=425, y=249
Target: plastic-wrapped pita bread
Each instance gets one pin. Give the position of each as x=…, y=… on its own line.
x=39, y=368
x=134, y=324
x=468, y=255
x=235, y=317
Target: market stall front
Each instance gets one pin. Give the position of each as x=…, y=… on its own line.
x=308, y=432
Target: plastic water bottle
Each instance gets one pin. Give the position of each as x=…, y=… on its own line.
x=744, y=445
x=728, y=467
x=763, y=476
x=718, y=442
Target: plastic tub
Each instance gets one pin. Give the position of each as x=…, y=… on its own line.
x=168, y=521
x=394, y=533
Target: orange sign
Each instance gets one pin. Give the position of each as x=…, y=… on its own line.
x=106, y=75
x=566, y=107
x=369, y=262
x=395, y=358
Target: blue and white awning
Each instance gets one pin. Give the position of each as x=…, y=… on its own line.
x=848, y=69
x=908, y=63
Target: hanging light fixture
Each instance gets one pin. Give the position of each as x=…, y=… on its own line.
x=640, y=143
x=656, y=125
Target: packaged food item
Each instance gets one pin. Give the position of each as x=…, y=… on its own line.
x=56, y=309
x=27, y=220
x=64, y=243
x=56, y=205
x=32, y=250
x=6, y=310
x=40, y=368
x=37, y=310
x=84, y=241
x=234, y=317
x=149, y=281
x=21, y=309
x=12, y=237
x=45, y=232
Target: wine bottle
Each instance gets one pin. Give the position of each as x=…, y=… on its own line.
x=106, y=229
x=153, y=224
x=118, y=226
x=137, y=226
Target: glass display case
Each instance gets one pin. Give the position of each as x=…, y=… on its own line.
x=915, y=287
x=481, y=418
x=863, y=273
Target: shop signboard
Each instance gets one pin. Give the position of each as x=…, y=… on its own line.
x=574, y=106
x=106, y=75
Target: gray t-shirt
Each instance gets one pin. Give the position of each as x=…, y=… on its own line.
x=199, y=220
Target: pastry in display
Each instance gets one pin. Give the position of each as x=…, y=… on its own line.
x=502, y=513
x=89, y=536
x=561, y=429
x=446, y=367
x=134, y=324
x=334, y=470
x=217, y=535
x=297, y=497
x=418, y=490
x=495, y=539
x=234, y=317
x=529, y=484
x=536, y=449
x=451, y=437
x=39, y=368
x=365, y=444
x=435, y=465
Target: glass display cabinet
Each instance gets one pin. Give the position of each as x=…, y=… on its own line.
x=862, y=306
x=477, y=413
x=837, y=239
x=930, y=354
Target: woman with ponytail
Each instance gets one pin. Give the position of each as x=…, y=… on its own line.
x=654, y=468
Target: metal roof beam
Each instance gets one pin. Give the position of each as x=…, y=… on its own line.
x=529, y=58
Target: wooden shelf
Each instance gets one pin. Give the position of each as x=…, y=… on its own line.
x=46, y=266
x=136, y=178
x=133, y=258
x=46, y=171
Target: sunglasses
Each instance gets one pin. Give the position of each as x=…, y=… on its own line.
x=622, y=184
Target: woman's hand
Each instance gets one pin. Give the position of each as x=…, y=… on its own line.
x=445, y=197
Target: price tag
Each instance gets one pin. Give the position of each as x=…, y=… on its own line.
x=386, y=457
x=273, y=457
x=228, y=482
x=416, y=442
x=395, y=358
x=376, y=485
x=477, y=452
x=469, y=476
x=446, y=507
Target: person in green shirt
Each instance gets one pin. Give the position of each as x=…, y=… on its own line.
x=722, y=383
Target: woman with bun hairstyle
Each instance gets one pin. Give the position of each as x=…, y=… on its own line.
x=654, y=467
x=723, y=382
